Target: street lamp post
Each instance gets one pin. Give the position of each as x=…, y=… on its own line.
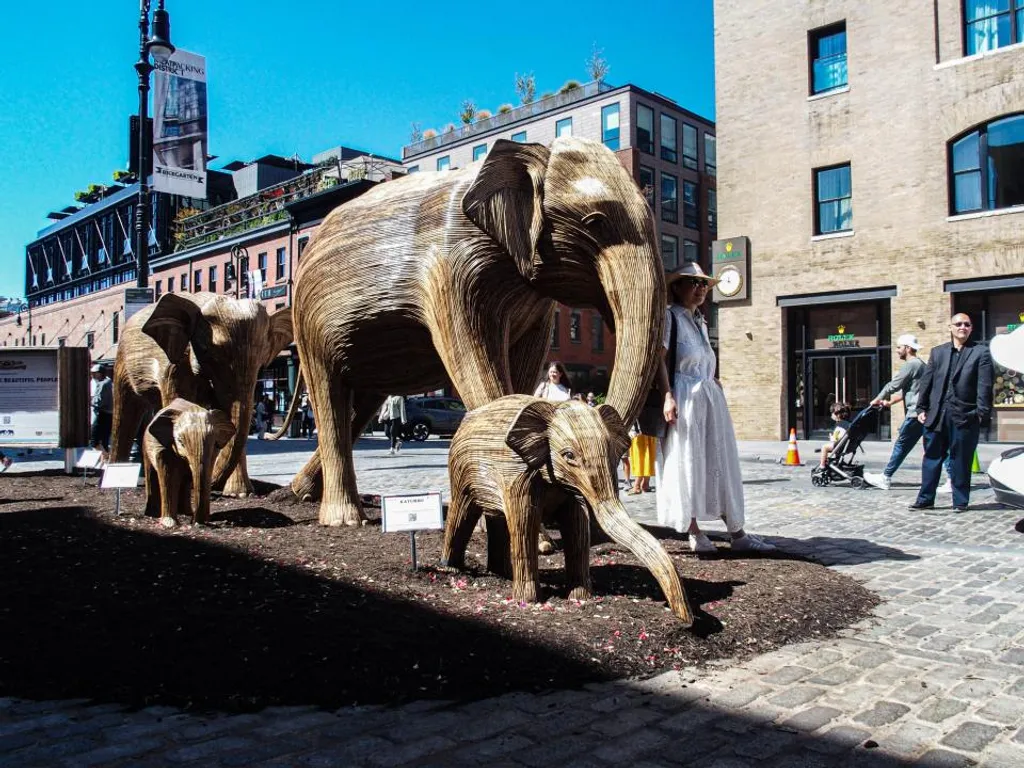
x=239, y=260
x=159, y=46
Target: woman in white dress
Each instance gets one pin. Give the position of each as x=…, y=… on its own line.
x=557, y=385
x=698, y=468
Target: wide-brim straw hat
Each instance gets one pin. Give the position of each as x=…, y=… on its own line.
x=689, y=269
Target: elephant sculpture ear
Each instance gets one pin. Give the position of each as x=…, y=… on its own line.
x=619, y=442
x=528, y=435
x=172, y=324
x=281, y=333
x=161, y=428
x=223, y=428
x=505, y=200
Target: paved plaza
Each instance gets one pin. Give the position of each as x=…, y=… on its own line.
x=935, y=678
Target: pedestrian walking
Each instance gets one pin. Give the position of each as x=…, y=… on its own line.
x=556, y=386
x=102, y=410
x=699, y=466
x=305, y=416
x=954, y=400
x=261, y=418
x=5, y=461
x=904, y=387
x=393, y=417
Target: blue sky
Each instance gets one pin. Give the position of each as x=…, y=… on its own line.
x=305, y=75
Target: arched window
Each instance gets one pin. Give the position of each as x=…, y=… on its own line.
x=987, y=167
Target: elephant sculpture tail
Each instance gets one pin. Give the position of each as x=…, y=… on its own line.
x=292, y=408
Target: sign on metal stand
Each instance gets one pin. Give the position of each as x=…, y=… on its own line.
x=120, y=476
x=411, y=512
x=90, y=459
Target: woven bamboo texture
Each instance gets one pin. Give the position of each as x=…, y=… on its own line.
x=454, y=276
x=179, y=447
x=524, y=460
x=205, y=348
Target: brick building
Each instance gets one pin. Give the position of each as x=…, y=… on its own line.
x=873, y=154
x=668, y=150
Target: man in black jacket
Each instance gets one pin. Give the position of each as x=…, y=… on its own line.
x=955, y=398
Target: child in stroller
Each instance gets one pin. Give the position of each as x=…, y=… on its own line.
x=837, y=456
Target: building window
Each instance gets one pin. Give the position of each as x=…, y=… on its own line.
x=197, y=280
x=669, y=198
x=669, y=140
x=62, y=341
x=42, y=338
x=281, y=258
x=261, y=261
x=690, y=205
x=647, y=184
x=213, y=280
x=689, y=147
x=575, y=319
x=828, y=58
x=184, y=281
x=563, y=127
x=414, y=169
x=444, y=163
x=834, y=198
x=554, y=330
x=303, y=242
x=645, y=129
x=596, y=333
x=90, y=339
x=691, y=251
x=115, y=327
x=170, y=285
x=670, y=251
x=610, y=126
x=713, y=208
x=991, y=24
x=158, y=288
x=710, y=155
x=479, y=151
x=519, y=136
x=988, y=167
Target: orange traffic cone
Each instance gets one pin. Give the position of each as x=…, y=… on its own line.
x=792, y=453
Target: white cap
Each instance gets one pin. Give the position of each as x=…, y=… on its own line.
x=97, y=368
x=908, y=340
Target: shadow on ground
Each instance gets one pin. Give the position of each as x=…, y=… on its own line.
x=829, y=550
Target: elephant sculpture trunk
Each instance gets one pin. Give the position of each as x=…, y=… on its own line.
x=230, y=472
x=614, y=520
x=638, y=314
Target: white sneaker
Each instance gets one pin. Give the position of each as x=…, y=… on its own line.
x=701, y=544
x=878, y=480
x=947, y=488
x=748, y=542
x=398, y=447
x=391, y=452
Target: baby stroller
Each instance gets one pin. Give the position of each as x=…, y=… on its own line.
x=840, y=465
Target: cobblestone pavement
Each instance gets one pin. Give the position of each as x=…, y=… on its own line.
x=936, y=678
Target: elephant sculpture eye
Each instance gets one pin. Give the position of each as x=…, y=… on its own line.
x=597, y=225
x=569, y=455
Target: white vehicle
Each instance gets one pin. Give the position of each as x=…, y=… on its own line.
x=1006, y=474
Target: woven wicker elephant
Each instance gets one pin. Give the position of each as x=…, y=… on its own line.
x=178, y=450
x=453, y=276
x=524, y=458
x=203, y=347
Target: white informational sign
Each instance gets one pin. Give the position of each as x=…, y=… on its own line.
x=180, y=131
x=121, y=476
x=90, y=459
x=136, y=299
x=28, y=397
x=419, y=512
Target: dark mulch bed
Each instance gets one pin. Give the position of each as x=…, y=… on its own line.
x=266, y=607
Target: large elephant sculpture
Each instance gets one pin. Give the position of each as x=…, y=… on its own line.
x=202, y=347
x=520, y=458
x=178, y=449
x=454, y=276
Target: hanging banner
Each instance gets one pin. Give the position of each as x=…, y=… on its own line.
x=180, y=125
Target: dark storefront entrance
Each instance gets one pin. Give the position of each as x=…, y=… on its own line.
x=836, y=351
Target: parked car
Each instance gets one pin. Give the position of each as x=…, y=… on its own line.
x=432, y=415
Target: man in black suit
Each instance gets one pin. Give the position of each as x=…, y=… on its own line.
x=955, y=398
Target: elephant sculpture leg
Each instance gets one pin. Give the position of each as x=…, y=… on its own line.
x=574, y=523
x=522, y=511
x=130, y=410
x=463, y=516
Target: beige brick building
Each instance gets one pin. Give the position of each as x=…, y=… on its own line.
x=873, y=154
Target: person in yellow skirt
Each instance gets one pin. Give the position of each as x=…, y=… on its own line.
x=642, y=451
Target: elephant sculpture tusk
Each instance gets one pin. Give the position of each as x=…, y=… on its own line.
x=293, y=407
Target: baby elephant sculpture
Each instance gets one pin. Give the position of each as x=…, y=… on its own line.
x=525, y=457
x=179, y=449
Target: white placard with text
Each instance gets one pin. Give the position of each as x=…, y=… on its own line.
x=90, y=459
x=121, y=476
x=411, y=512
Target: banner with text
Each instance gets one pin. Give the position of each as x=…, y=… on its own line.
x=180, y=125
x=28, y=397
